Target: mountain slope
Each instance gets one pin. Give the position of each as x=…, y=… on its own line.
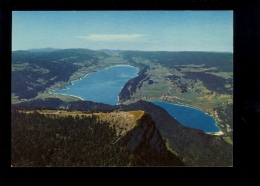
x=192, y=145
x=62, y=138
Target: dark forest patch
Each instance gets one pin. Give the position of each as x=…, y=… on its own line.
x=211, y=82
x=133, y=84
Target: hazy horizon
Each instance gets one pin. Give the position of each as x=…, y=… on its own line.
x=122, y=50
x=208, y=31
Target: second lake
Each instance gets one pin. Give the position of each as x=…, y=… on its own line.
x=190, y=117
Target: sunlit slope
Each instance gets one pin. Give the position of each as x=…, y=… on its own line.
x=123, y=121
x=77, y=138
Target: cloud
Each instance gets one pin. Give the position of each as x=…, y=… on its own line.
x=113, y=37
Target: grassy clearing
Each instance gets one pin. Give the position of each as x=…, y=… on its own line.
x=228, y=139
x=14, y=99
x=62, y=97
x=62, y=113
x=66, y=98
x=167, y=143
x=222, y=74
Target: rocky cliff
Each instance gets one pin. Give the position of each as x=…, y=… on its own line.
x=145, y=137
x=145, y=141
x=135, y=129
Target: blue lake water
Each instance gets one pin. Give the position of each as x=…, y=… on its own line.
x=190, y=117
x=105, y=85
x=102, y=86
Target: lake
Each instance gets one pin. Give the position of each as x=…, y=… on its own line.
x=102, y=86
x=190, y=117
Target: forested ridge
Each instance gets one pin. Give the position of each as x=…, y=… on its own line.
x=168, y=59
x=193, y=145
x=45, y=140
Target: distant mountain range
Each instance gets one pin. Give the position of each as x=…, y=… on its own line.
x=44, y=49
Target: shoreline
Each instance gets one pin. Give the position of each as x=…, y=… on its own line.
x=211, y=133
x=186, y=106
x=180, y=105
x=138, y=70
x=220, y=133
x=71, y=82
x=75, y=97
x=96, y=70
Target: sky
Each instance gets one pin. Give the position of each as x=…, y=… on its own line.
x=124, y=30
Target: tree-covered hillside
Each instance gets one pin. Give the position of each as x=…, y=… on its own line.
x=192, y=145
x=53, y=140
x=223, y=61
x=34, y=71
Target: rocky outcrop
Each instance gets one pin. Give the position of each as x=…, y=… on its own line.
x=145, y=137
